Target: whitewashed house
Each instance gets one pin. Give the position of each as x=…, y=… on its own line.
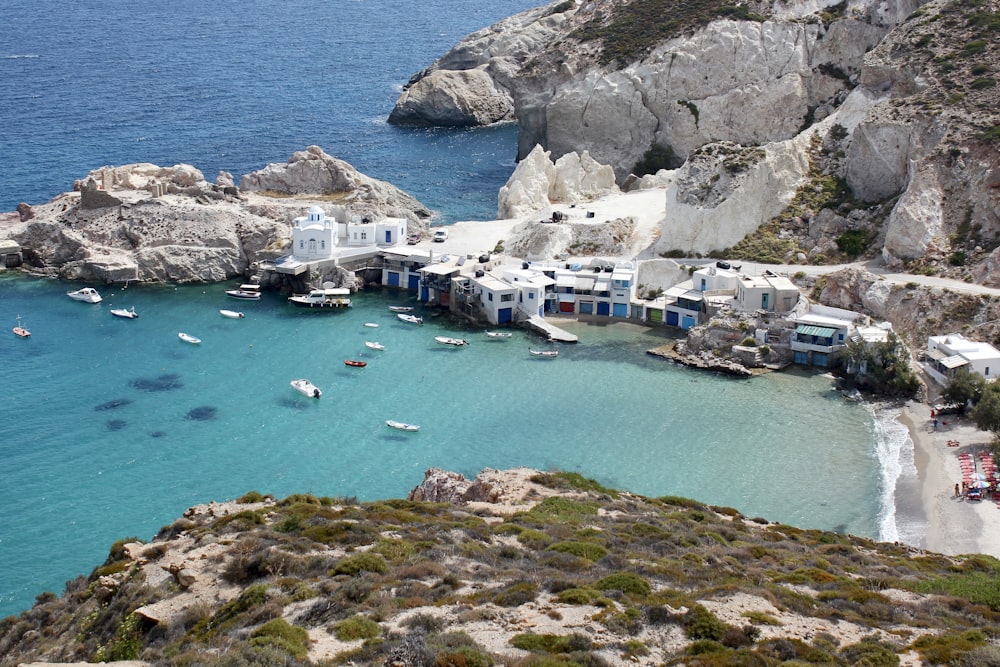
x=532, y=286
x=768, y=292
x=496, y=298
x=821, y=333
x=313, y=236
x=368, y=232
x=947, y=354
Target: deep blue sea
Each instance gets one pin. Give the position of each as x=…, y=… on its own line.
x=113, y=427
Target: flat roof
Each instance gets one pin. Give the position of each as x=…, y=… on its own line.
x=493, y=283
x=954, y=361
x=439, y=269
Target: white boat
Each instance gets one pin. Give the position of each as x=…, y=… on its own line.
x=128, y=314
x=85, y=294
x=401, y=426
x=232, y=314
x=499, y=335
x=329, y=299
x=401, y=309
x=371, y=325
x=20, y=330
x=544, y=353
x=374, y=345
x=188, y=338
x=249, y=292
x=412, y=319
x=454, y=342
x=306, y=388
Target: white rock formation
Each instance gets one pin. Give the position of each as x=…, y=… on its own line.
x=916, y=220
x=537, y=183
x=453, y=98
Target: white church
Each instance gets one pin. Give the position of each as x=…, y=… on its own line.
x=316, y=237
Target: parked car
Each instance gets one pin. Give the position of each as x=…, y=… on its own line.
x=413, y=239
x=440, y=235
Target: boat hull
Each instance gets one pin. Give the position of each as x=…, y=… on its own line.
x=306, y=388
x=401, y=426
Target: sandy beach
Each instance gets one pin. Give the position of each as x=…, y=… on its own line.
x=954, y=525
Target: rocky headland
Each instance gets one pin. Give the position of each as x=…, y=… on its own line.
x=515, y=567
x=147, y=223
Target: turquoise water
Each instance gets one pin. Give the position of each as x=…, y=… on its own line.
x=784, y=446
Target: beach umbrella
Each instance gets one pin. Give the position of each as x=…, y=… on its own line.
x=978, y=476
x=980, y=484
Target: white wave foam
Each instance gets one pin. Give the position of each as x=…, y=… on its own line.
x=894, y=450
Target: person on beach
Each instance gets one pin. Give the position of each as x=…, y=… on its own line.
x=956, y=490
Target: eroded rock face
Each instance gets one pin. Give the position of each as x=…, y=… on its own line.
x=537, y=183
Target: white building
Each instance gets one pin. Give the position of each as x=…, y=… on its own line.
x=947, y=354
x=767, y=292
x=313, y=236
x=821, y=333
x=366, y=232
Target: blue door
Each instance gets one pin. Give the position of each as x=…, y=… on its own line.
x=505, y=315
x=414, y=282
x=687, y=322
x=621, y=310
x=586, y=307
x=603, y=308
x=424, y=294
x=388, y=236
x=672, y=318
x=802, y=358
x=821, y=359
x=394, y=279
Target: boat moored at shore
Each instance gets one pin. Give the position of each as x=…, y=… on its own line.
x=126, y=313
x=232, y=314
x=248, y=292
x=188, y=338
x=454, y=342
x=335, y=298
x=544, y=354
x=85, y=294
x=412, y=319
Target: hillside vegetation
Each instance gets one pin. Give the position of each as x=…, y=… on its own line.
x=575, y=575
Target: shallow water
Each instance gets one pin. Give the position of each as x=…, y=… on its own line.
x=116, y=426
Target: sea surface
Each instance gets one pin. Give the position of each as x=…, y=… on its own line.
x=113, y=427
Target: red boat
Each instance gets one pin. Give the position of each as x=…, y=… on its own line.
x=358, y=364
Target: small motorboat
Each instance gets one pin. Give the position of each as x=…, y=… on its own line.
x=401, y=426
x=356, y=363
x=412, y=319
x=128, y=314
x=188, y=338
x=20, y=330
x=334, y=298
x=374, y=345
x=306, y=388
x=232, y=314
x=249, y=292
x=401, y=309
x=85, y=294
x=371, y=325
x=454, y=342
x=546, y=354
x=499, y=335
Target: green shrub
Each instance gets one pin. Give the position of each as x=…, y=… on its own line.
x=355, y=627
x=700, y=623
x=945, y=649
x=252, y=497
x=586, y=550
x=656, y=158
x=852, y=242
x=514, y=595
x=577, y=596
x=366, y=562
x=626, y=582
x=280, y=634
x=551, y=643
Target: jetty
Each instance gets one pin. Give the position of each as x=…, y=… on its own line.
x=554, y=333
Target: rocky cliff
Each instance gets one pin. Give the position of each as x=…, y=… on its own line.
x=143, y=222
x=782, y=126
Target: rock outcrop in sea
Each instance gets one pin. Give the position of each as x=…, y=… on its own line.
x=807, y=120
x=147, y=223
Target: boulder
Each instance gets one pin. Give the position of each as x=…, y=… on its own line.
x=463, y=98
x=538, y=183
